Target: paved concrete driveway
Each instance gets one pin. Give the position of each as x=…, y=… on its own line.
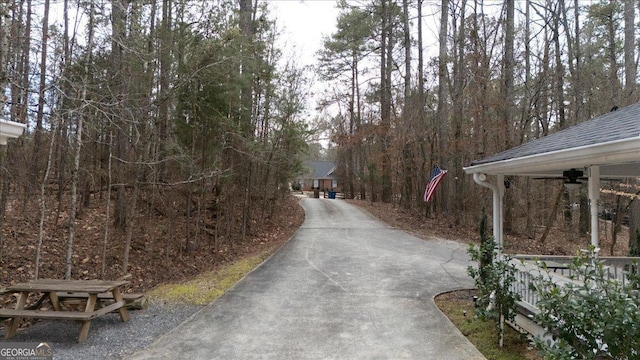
x=346, y=286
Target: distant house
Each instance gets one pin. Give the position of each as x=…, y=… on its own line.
x=320, y=176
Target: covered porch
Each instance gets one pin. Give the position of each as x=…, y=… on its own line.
x=604, y=147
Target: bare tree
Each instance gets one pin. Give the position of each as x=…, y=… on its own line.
x=630, y=97
x=79, y=117
x=407, y=158
x=508, y=90
x=442, y=124
x=118, y=89
x=37, y=137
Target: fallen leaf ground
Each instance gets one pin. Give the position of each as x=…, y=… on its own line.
x=559, y=241
x=159, y=254
x=158, y=248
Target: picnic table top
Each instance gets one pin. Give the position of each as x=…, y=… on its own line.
x=51, y=285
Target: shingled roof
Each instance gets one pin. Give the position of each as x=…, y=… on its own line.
x=321, y=169
x=611, y=140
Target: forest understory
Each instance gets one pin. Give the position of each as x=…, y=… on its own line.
x=158, y=252
x=558, y=242
x=156, y=233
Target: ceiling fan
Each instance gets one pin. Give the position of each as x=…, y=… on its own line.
x=573, y=175
x=571, y=178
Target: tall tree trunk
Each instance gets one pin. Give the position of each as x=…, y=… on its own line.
x=612, y=25
x=353, y=145
x=577, y=52
x=118, y=15
x=243, y=162
x=4, y=50
x=421, y=119
x=62, y=133
x=107, y=221
x=133, y=209
x=386, y=46
x=4, y=59
x=509, y=101
x=26, y=69
x=421, y=79
x=584, y=222
x=458, y=114
x=27, y=182
x=166, y=43
x=526, y=112
x=43, y=204
x=571, y=66
x=560, y=99
x=442, y=125
x=407, y=114
x=559, y=71
x=79, y=116
x=630, y=66
x=630, y=91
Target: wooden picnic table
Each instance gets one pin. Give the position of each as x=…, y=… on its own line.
x=95, y=291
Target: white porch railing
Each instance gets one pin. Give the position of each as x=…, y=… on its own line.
x=618, y=267
x=527, y=271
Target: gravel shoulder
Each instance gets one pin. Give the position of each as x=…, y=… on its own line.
x=109, y=337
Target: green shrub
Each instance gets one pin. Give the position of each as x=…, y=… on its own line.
x=594, y=317
x=493, y=280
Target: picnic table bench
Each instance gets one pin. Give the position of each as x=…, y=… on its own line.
x=65, y=297
x=96, y=292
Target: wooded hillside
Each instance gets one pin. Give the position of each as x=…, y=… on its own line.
x=187, y=111
x=178, y=119
x=499, y=74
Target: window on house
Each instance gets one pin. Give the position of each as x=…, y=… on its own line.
x=316, y=183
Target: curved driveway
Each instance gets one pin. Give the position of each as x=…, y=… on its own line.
x=346, y=286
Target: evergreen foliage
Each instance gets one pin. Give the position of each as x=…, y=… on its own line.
x=493, y=278
x=593, y=317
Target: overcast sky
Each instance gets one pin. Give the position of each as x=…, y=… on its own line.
x=303, y=25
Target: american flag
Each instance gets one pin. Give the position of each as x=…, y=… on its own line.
x=434, y=180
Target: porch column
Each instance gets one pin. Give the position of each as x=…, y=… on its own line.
x=498, y=212
x=497, y=191
x=594, y=196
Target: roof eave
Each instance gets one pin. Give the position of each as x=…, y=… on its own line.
x=620, y=151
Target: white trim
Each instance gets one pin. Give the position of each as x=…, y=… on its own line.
x=10, y=130
x=614, y=152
